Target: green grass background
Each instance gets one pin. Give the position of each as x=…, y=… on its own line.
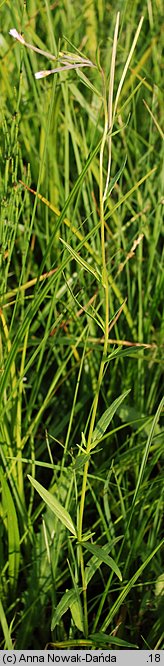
x=52, y=313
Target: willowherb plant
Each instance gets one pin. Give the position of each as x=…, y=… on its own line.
x=65, y=62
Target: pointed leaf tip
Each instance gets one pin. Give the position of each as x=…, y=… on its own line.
x=60, y=512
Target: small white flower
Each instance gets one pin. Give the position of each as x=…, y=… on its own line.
x=14, y=33
x=40, y=75
x=65, y=61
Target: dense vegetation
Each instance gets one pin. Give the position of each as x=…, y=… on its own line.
x=81, y=346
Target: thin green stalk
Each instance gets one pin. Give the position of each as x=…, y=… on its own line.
x=95, y=403
x=5, y=628
x=108, y=124
x=18, y=423
x=105, y=346
x=105, y=285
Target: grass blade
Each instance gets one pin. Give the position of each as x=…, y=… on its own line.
x=66, y=602
x=8, y=641
x=106, y=418
x=102, y=556
x=124, y=593
x=55, y=506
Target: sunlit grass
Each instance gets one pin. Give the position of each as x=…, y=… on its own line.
x=81, y=346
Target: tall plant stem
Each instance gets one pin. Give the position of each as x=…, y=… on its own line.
x=109, y=115
x=105, y=346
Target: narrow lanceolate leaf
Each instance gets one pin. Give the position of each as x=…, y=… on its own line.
x=66, y=602
x=103, y=640
x=77, y=613
x=106, y=418
x=114, y=180
x=54, y=505
x=94, y=563
x=80, y=461
x=101, y=555
x=81, y=261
